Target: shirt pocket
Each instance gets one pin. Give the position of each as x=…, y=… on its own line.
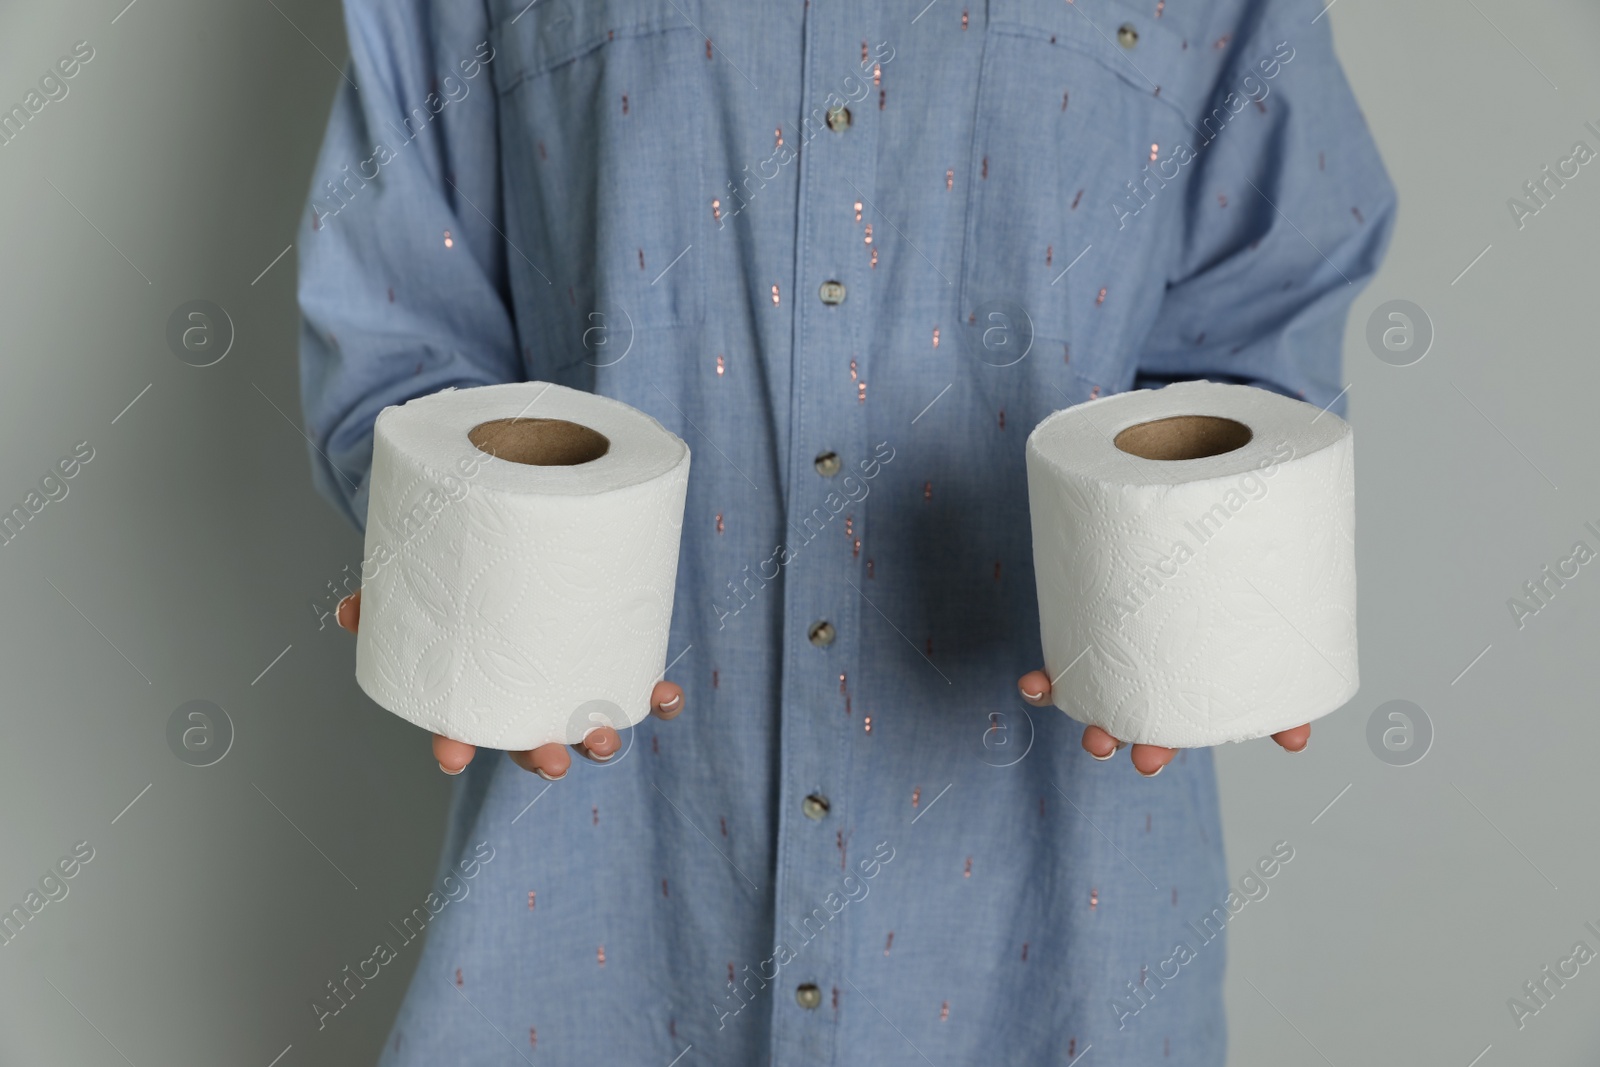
x=1074, y=99
x=603, y=115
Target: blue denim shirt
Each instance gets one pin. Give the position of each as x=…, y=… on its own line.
x=852, y=253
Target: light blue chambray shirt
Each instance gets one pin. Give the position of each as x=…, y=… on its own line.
x=852, y=253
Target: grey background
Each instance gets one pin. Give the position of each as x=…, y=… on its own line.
x=187, y=552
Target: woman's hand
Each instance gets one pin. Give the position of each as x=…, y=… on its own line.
x=551, y=761
x=1147, y=759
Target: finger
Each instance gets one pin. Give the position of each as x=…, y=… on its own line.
x=1294, y=740
x=666, y=700
x=599, y=744
x=1149, y=760
x=1035, y=688
x=453, y=756
x=348, y=613
x=1098, y=743
x=549, y=762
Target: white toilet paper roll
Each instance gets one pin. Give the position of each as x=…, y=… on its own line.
x=1194, y=548
x=522, y=547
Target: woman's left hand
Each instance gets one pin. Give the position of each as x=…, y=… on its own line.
x=1148, y=760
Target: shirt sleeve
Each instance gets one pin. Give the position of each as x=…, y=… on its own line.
x=1287, y=214
x=402, y=285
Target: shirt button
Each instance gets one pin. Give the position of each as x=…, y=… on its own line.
x=827, y=464
x=822, y=633
x=808, y=996
x=1127, y=36
x=815, y=806
x=832, y=293
x=839, y=119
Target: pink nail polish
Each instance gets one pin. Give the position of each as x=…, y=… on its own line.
x=1033, y=696
x=547, y=777
x=447, y=770
x=1153, y=773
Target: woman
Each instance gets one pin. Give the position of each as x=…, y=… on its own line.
x=852, y=253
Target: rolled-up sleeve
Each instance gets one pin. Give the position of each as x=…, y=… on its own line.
x=402, y=285
x=1288, y=212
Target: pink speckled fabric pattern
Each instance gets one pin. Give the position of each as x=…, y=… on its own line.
x=666, y=202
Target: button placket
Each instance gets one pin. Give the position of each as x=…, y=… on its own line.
x=828, y=440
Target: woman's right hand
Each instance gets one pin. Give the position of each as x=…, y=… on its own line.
x=551, y=761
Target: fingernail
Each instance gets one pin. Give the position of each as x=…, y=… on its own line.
x=668, y=705
x=447, y=770
x=547, y=777
x=1153, y=773
x=1107, y=756
x=591, y=751
x=1033, y=696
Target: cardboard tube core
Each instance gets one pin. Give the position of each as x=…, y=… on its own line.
x=539, y=442
x=1183, y=437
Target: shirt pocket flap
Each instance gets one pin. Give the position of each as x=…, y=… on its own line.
x=1138, y=48
x=534, y=38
